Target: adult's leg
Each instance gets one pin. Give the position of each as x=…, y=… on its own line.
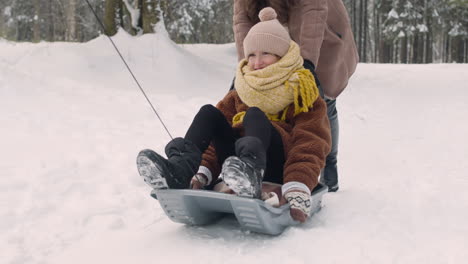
x=329, y=175
x=330, y=172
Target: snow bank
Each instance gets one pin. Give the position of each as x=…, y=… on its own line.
x=73, y=121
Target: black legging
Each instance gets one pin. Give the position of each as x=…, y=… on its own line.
x=210, y=126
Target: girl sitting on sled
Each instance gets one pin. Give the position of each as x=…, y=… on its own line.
x=271, y=130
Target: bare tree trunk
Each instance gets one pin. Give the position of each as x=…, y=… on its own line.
x=58, y=20
x=465, y=48
x=110, y=16
x=366, y=28
x=70, y=13
x=429, y=46
x=384, y=54
x=361, y=28
x=149, y=15
x=37, y=27
x=2, y=26
x=353, y=22
x=376, y=34
x=48, y=21
x=457, y=49
x=421, y=48
x=443, y=43
x=447, y=49
x=404, y=50
x=385, y=49
x=415, y=46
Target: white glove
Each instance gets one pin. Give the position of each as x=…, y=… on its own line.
x=271, y=198
x=199, y=181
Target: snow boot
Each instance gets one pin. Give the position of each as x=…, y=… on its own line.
x=176, y=171
x=334, y=187
x=243, y=173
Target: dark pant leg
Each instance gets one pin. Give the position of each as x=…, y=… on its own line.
x=256, y=124
x=330, y=172
x=211, y=126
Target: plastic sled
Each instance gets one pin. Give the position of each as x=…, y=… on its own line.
x=202, y=207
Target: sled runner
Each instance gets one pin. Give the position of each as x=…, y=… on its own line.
x=201, y=207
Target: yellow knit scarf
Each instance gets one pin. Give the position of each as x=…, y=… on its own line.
x=274, y=88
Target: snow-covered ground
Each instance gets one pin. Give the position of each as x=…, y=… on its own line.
x=72, y=121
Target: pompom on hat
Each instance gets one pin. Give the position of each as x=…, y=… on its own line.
x=268, y=35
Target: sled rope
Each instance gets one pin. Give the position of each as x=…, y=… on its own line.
x=129, y=70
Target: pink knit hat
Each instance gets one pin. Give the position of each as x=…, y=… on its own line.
x=268, y=35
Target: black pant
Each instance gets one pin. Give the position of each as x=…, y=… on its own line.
x=330, y=172
x=210, y=126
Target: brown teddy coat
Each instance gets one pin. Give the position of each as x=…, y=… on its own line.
x=323, y=32
x=306, y=140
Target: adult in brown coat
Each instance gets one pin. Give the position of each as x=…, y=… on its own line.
x=323, y=32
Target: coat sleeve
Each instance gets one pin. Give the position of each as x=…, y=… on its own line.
x=241, y=25
x=209, y=158
x=313, y=23
x=310, y=144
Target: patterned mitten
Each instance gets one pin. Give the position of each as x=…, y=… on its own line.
x=299, y=200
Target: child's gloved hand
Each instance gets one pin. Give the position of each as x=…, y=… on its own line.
x=199, y=181
x=299, y=202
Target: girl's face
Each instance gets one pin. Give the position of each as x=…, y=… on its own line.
x=258, y=60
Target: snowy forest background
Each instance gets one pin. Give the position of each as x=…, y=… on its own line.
x=386, y=31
